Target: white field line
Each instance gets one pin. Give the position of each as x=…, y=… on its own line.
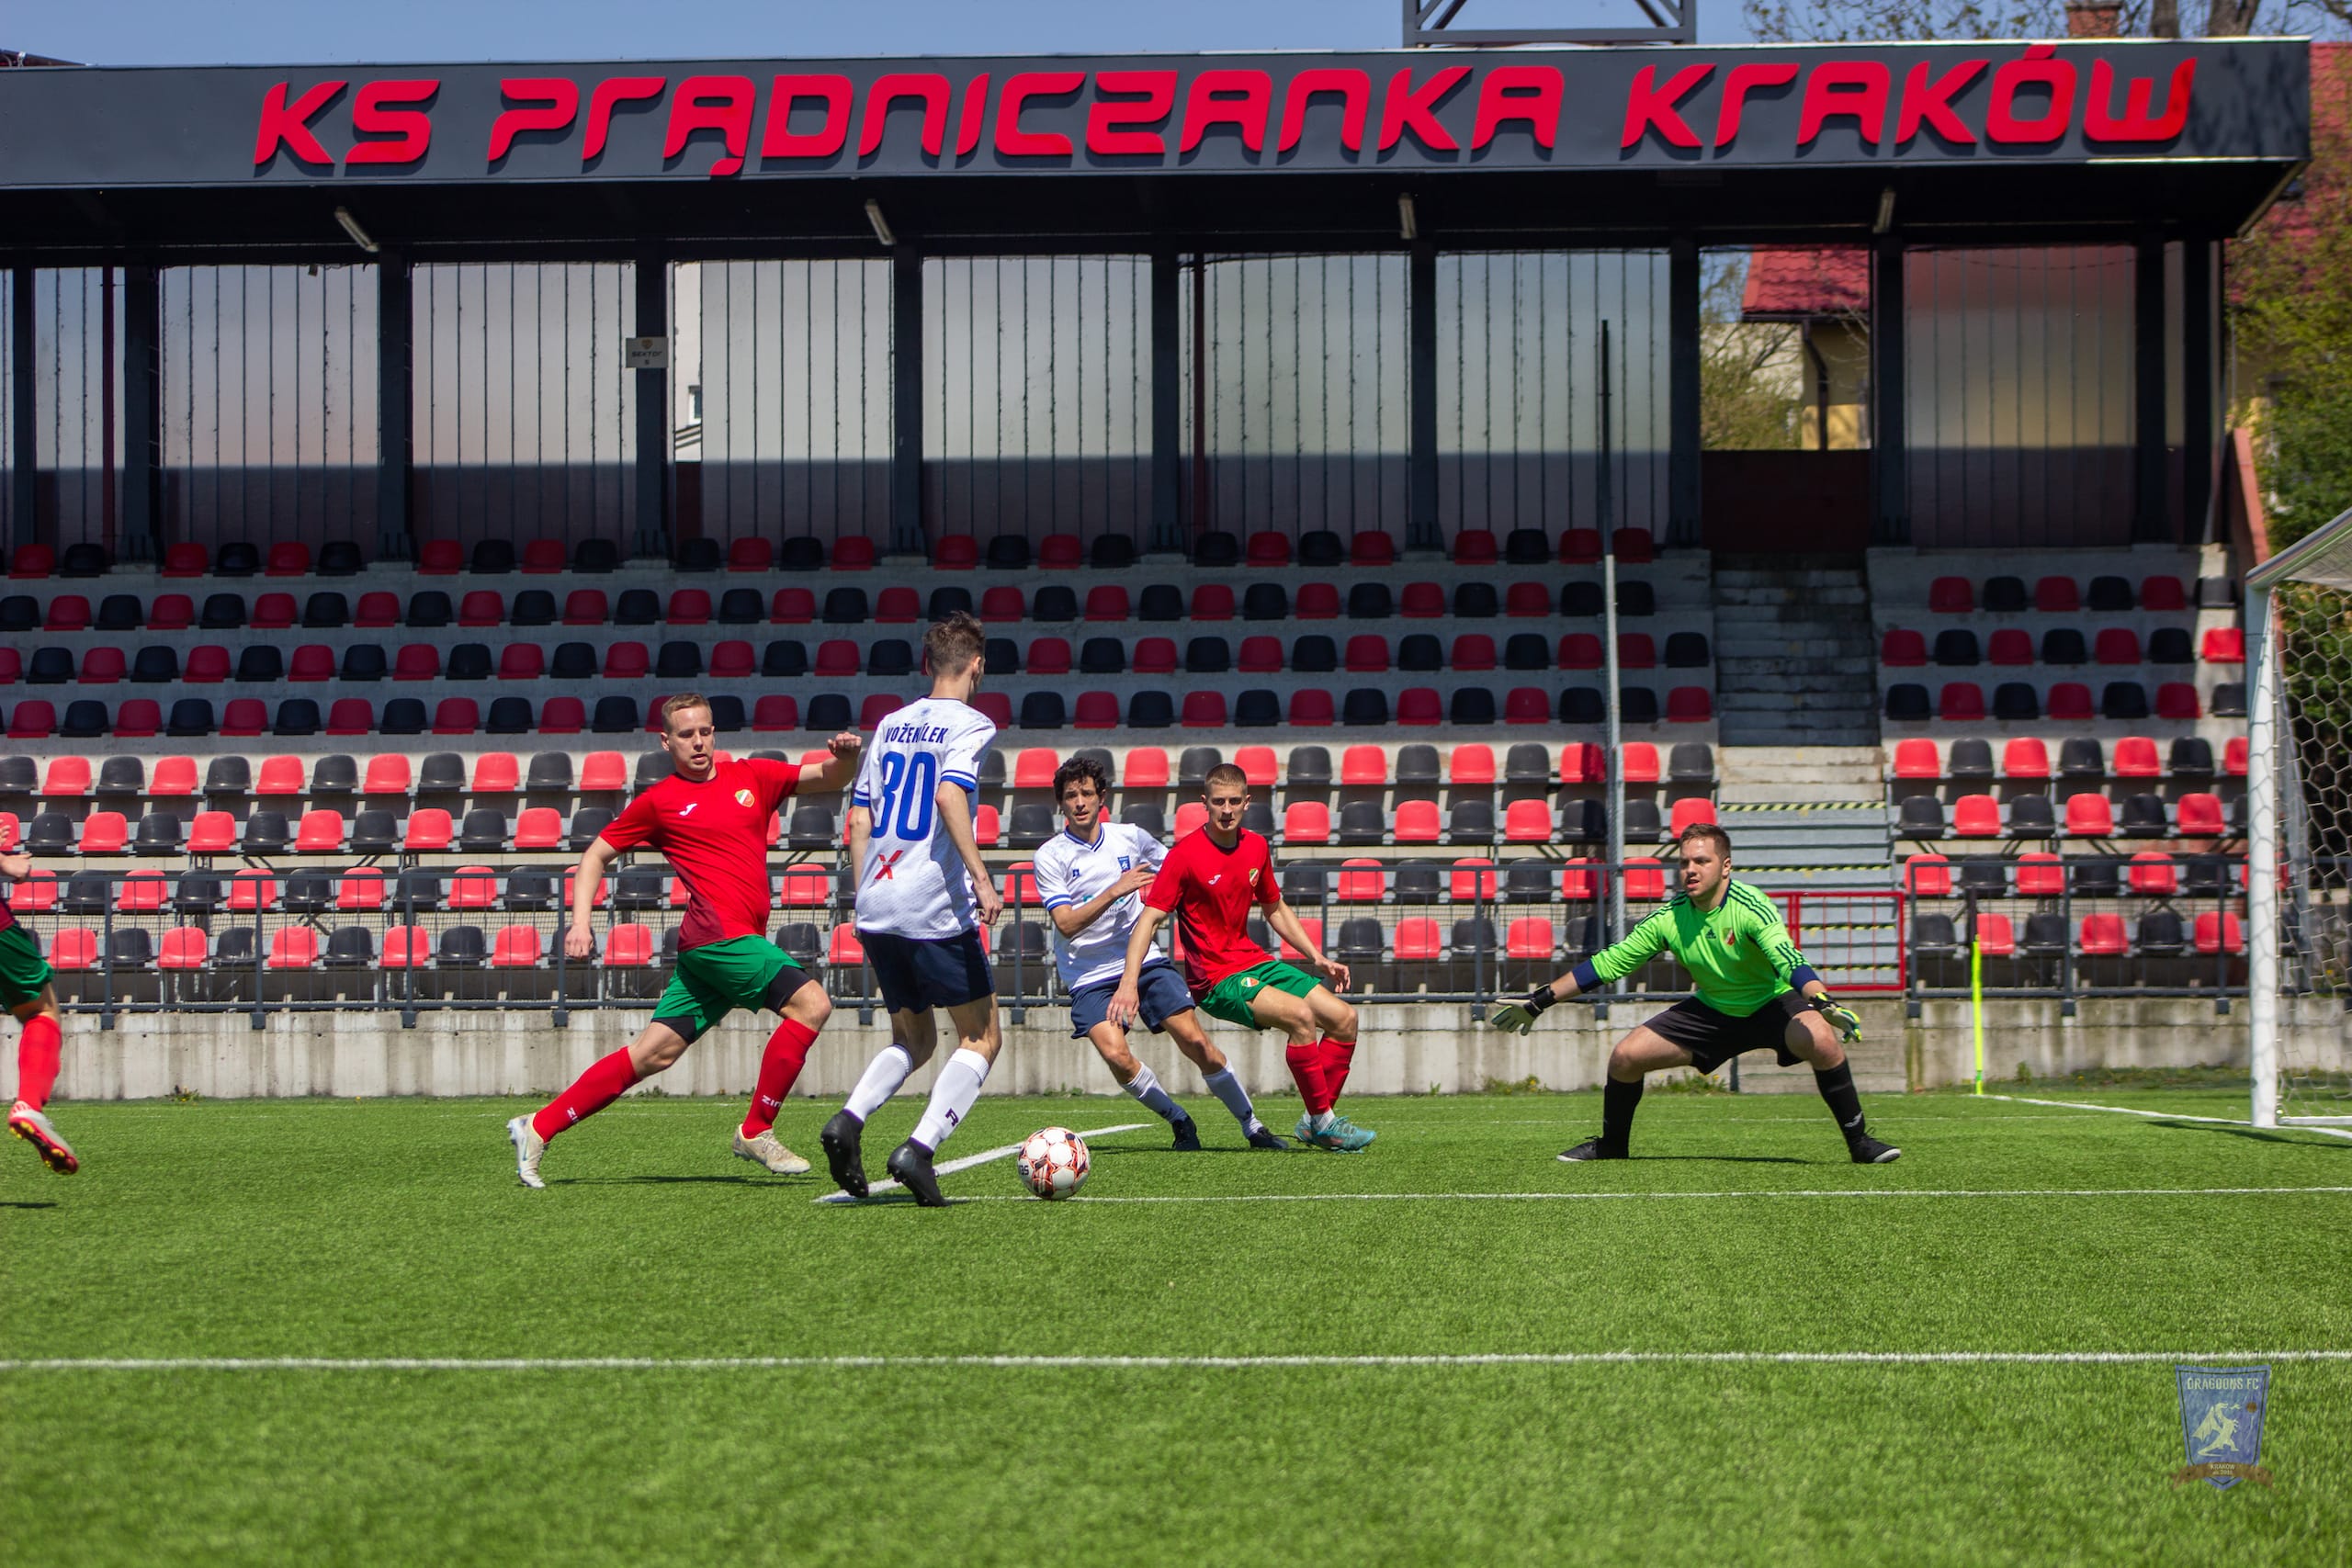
x=1124, y=1363
x=2165, y=1115
x=1082, y=1201
x=968, y=1161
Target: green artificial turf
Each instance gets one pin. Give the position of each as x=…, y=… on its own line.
x=394, y=1229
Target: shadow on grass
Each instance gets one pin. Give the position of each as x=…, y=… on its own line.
x=32, y=1203
x=792, y=1183
x=1729, y=1160
x=2287, y=1136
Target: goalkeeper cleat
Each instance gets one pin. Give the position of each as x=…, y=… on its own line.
x=1188, y=1135
x=1342, y=1136
x=1593, y=1148
x=529, y=1148
x=33, y=1126
x=910, y=1163
x=1868, y=1150
x=768, y=1152
x=842, y=1153
x=1264, y=1137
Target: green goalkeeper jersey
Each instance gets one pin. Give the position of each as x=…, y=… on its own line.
x=1738, y=954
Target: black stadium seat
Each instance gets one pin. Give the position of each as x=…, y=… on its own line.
x=340, y=557
x=1160, y=602
x=364, y=662
x=786, y=660
x=1419, y=764
x=1207, y=656
x=325, y=611
x=1056, y=602
x=700, y=555
x=1361, y=822
x=1257, y=708
x=190, y=717
x=493, y=558
x=2006, y=596
x=1008, y=552
x=1956, y=647
x=1531, y=650
x=1420, y=653
x=1265, y=602
x=1906, y=703
x=1920, y=817
x=1474, y=707
x=1636, y=599
x=468, y=661
x=429, y=609
x=1365, y=708
x=403, y=715
x=1043, y=710
x=155, y=665
x=508, y=716
x=1151, y=710
x=2015, y=702
x=1216, y=548
x=829, y=713
x=1475, y=602
x=1003, y=656
x=1146, y=816
x=1314, y=654
x=802, y=552
x=85, y=719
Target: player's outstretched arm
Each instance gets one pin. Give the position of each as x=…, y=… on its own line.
x=841, y=766
x=1292, y=930
x=579, y=940
x=1613, y=963
x=860, y=828
x=16, y=866
x=1125, y=1002
x=955, y=816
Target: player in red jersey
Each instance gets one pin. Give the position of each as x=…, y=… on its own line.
x=1210, y=882
x=25, y=991
x=711, y=818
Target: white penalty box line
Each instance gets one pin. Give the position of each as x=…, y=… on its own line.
x=1082, y=1201
x=2285, y=1125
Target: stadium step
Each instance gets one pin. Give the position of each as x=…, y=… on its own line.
x=1793, y=659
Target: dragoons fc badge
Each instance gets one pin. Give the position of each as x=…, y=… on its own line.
x=2221, y=1411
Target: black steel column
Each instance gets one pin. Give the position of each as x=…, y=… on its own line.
x=906, y=398
x=395, y=407
x=1683, y=467
x=1167, y=387
x=2150, y=512
x=2197, y=433
x=25, y=435
x=1422, y=524
x=1890, y=476
x=142, y=414
x=652, y=410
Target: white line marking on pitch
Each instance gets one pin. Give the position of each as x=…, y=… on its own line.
x=2171, y=1115
x=1120, y=1363
x=968, y=1161
x=1629, y=1197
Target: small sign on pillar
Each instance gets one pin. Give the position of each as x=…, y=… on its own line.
x=646, y=353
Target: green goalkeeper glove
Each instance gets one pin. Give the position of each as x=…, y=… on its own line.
x=1843, y=1019
x=1518, y=1017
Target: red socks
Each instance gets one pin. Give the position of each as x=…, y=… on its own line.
x=37, y=1060
x=602, y=1084
x=1337, y=1055
x=787, y=1051
x=1307, y=1069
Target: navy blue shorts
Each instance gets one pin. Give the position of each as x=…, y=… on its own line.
x=918, y=973
x=1160, y=994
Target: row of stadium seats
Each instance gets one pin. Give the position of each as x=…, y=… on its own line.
x=1958, y=648
x=1361, y=707
x=2017, y=702
x=2151, y=874
x=2159, y=933
x=2059, y=595
x=432, y=609
x=2195, y=814
x=266, y=662
x=950, y=552
x=2082, y=757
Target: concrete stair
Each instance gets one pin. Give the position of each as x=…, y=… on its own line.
x=1794, y=656
x=1807, y=824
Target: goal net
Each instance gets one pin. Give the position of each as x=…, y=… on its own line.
x=2299, y=788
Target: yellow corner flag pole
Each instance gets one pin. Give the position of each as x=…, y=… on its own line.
x=1977, y=1004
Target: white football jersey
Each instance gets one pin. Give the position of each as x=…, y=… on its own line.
x=911, y=881
x=1070, y=871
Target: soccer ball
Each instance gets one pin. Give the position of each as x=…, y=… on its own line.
x=1053, y=1162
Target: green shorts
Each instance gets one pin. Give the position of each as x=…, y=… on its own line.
x=747, y=972
x=1229, y=998
x=23, y=971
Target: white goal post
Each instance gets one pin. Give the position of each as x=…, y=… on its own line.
x=2298, y=822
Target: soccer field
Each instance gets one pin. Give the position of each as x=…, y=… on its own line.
x=1979, y=1340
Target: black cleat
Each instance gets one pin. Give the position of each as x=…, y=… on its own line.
x=1868, y=1150
x=1188, y=1135
x=842, y=1152
x=1267, y=1138
x=1592, y=1149
x=911, y=1164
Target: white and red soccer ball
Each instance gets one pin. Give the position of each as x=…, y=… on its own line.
x=1053, y=1162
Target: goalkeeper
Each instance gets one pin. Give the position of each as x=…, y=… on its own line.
x=1755, y=993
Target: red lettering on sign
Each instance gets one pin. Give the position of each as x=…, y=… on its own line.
x=1930, y=103
x=976, y=104
x=1738, y=83
x=1115, y=126
x=1016, y=142
x=1354, y=88
x=2036, y=69
x=289, y=127
x=610, y=92
x=1529, y=92
x=1408, y=107
x=723, y=103
x=1651, y=108
x=928, y=87
x=2136, y=123
x=372, y=114
x=1228, y=98
x=554, y=100
x=1846, y=89
x=780, y=141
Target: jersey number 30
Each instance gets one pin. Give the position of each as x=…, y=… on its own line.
x=909, y=792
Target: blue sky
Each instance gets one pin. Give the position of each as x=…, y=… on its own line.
x=139, y=32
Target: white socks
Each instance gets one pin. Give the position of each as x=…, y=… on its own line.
x=883, y=1075
x=1323, y=1119
x=1229, y=1092
x=951, y=1097
x=1145, y=1086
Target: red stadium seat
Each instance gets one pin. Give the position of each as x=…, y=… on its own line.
x=1363, y=765
x=2224, y=645
x=986, y=829
x=2009, y=647
x=1360, y=882
x=1204, y=710
x=630, y=945
x=792, y=607
x=521, y=662
x=1145, y=768
x=1314, y=925
x=211, y=833
x=516, y=947
x=776, y=713
x=173, y=777
x=1472, y=652
x=378, y=609
x=2090, y=816
x=1060, y=552
x=1268, y=547
x=473, y=887
x=1644, y=879
x=1633, y=547
x=75, y=947
x=1002, y=603
x=1417, y=822
x=12, y=666
x=2041, y=876
x=321, y=832
x=2177, y=700
x=482, y=607
x=1306, y=822
x=2069, y=700
x=67, y=612
x=586, y=607
x=312, y=661
x=1095, y=710
x=186, y=559
x=1918, y=759
x=2162, y=594
x=1471, y=763
x=804, y=887
x=627, y=661
x=1903, y=649
x=843, y=951
x=406, y=947
x=1689, y=812
x=1579, y=547
x=1259, y=656
x=1527, y=705
x=2233, y=756
x=252, y=891
x=2217, y=932
x=1963, y=702
x=137, y=718
x=998, y=706
x=32, y=719
x=1421, y=601
x=855, y=553
x=1419, y=707
x=244, y=718
x=877, y=707
x=1107, y=602
x=1689, y=705
x=29, y=562
x=184, y=947
x=688, y=607
x=1047, y=655
x=65, y=778
x=2102, y=936
x=836, y=657
x=2200, y=817
x=543, y=557
x=1637, y=650
x=603, y=773
x=2116, y=644
x=1317, y=601
x=294, y=947
x=898, y=606
x=1417, y=941
x=2056, y=596
x=361, y=889
x=1259, y=769
x=1157, y=655
x=1034, y=767
x=280, y=775
x=751, y=555
x=1528, y=822
x=1310, y=708
x=1530, y=936
x=1950, y=596
x=2153, y=875
x=350, y=716
x=1528, y=597
x=440, y=557
x=1637, y=762
x=417, y=661
x=2025, y=758
x=1581, y=762
x=457, y=715
x=1580, y=879
x=1372, y=547
x=1475, y=547
x=734, y=661
x=142, y=892
x=1580, y=651
x=1995, y=935
x=955, y=552
x=104, y=833
x=538, y=828
x=1977, y=816
x=171, y=612
x=1190, y=817
x=1368, y=654
x=1926, y=877
x=208, y=665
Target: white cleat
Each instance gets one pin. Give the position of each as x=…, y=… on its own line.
x=765, y=1151
x=35, y=1129
x=529, y=1148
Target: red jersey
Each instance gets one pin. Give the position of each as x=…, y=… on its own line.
x=1212, y=889
x=716, y=836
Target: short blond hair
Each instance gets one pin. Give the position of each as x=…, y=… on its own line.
x=953, y=642
x=672, y=707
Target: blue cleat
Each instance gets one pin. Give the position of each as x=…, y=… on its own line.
x=1342, y=1136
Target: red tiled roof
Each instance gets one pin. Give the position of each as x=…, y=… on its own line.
x=1809, y=281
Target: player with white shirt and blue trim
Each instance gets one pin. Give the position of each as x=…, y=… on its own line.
x=922, y=892
x=1088, y=875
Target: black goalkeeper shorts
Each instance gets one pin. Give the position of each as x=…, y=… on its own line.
x=1714, y=1038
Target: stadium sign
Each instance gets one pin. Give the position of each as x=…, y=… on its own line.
x=1517, y=109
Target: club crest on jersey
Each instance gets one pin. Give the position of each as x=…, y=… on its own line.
x=1253, y=876
x=743, y=797
x=1731, y=939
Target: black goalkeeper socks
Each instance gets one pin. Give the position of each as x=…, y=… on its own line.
x=1836, y=1086
x=1618, y=1101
